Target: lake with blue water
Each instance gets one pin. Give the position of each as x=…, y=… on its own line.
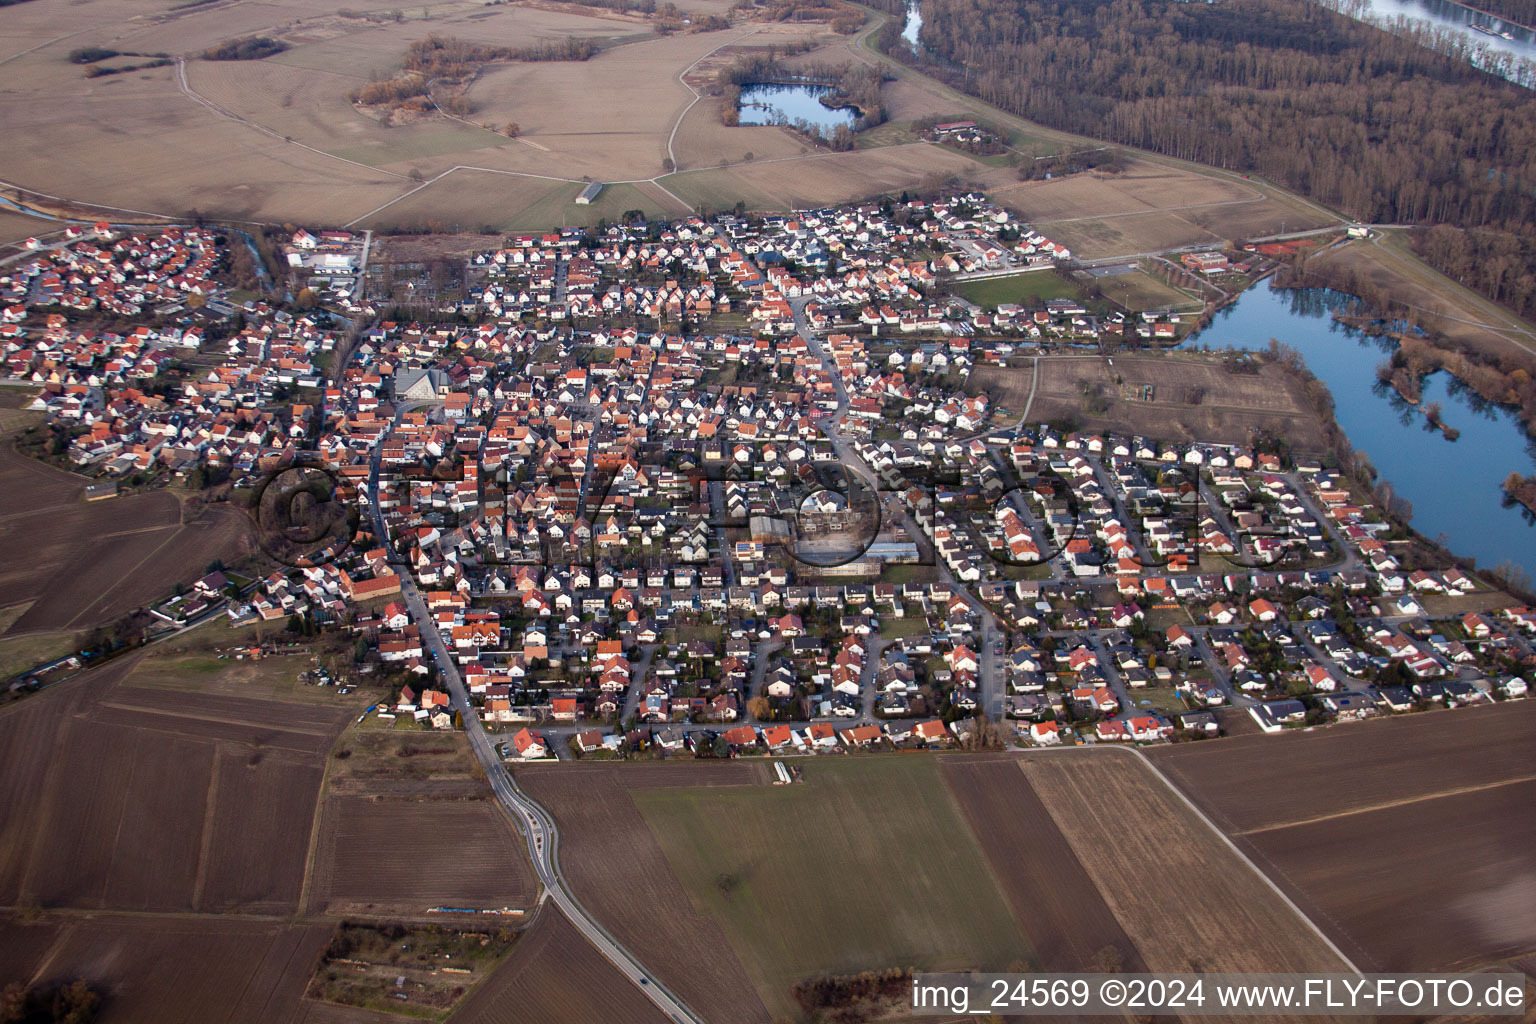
x=791, y=104
x=1454, y=485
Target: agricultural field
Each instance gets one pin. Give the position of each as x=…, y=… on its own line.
x=1441, y=801
x=553, y=975
x=618, y=870
x=128, y=799
x=1050, y=891
x=768, y=869
x=170, y=970
x=1184, y=899
x=88, y=563
x=1029, y=288
x=403, y=857
x=408, y=823
x=1194, y=397
x=1150, y=207
x=15, y=227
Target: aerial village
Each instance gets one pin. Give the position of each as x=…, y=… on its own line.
x=718, y=487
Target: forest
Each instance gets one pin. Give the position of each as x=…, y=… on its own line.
x=1358, y=118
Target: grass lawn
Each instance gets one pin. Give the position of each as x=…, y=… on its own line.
x=864, y=864
x=1164, y=700
x=908, y=574
x=908, y=626
x=1028, y=287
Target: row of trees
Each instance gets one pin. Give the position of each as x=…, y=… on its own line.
x=245, y=48
x=1359, y=118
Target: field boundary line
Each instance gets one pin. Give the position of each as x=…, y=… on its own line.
x=1226, y=839
x=205, y=841
x=228, y=115
x=1389, y=805
x=463, y=167
x=101, y=600
x=1274, y=887
x=682, y=79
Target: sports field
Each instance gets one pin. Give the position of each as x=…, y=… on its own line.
x=1029, y=288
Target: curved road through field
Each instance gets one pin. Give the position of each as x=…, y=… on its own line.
x=536, y=824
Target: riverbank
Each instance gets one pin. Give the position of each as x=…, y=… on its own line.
x=1447, y=492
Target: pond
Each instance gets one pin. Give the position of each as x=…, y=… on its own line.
x=763, y=103
x=1454, y=485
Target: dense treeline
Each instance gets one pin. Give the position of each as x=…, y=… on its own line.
x=246, y=48
x=1362, y=119
x=1499, y=264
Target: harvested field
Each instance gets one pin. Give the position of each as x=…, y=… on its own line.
x=111, y=556
x=17, y=226
x=618, y=870
x=666, y=774
x=1386, y=761
x=1185, y=901
x=608, y=117
x=403, y=857
x=771, y=864
x=703, y=141
x=1194, y=397
x=1466, y=858
x=311, y=106
x=477, y=200
x=1051, y=893
x=1152, y=208
x=159, y=970
x=1350, y=818
x=1130, y=234
x=721, y=189
x=312, y=1012
x=262, y=724
x=258, y=836
x=137, y=800
x=554, y=976
x=559, y=207
x=835, y=177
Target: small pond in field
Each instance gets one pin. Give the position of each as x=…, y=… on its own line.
x=763, y=103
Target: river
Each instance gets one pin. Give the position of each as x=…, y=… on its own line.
x=1491, y=51
x=914, y=23
x=1454, y=485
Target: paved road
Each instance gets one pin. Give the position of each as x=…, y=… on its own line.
x=535, y=823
